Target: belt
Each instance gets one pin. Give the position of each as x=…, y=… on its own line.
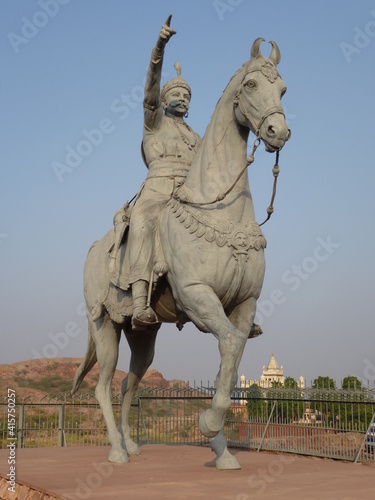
x=168, y=169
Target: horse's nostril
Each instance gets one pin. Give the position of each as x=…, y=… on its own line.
x=270, y=130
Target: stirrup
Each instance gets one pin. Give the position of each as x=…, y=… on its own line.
x=144, y=318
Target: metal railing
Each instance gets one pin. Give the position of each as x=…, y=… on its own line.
x=325, y=423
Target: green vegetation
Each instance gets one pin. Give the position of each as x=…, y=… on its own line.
x=351, y=383
x=52, y=385
x=285, y=404
x=324, y=383
x=255, y=404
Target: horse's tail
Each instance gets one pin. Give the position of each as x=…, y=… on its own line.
x=86, y=365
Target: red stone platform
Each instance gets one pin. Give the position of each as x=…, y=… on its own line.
x=181, y=472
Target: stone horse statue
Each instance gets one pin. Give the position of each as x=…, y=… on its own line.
x=210, y=217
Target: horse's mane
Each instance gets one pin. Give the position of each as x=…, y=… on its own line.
x=208, y=172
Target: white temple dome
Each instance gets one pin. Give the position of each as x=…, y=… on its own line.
x=272, y=365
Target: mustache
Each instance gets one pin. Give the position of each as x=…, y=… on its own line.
x=177, y=103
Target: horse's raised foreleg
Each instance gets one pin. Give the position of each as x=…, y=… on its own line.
x=106, y=337
x=224, y=459
x=142, y=353
x=242, y=318
x=205, y=309
x=231, y=345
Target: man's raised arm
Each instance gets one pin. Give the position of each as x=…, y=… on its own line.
x=152, y=86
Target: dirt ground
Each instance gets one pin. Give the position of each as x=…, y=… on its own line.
x=181, y=472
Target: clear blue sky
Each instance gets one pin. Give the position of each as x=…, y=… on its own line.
x=70, y=67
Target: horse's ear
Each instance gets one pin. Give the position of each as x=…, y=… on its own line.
x=255, y=49
x=275, y=55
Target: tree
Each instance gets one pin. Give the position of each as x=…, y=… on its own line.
x=289, y=406
x=276, y=384
x=351, y=383
x=290, y=383
x=255, y=403
x=352, y=415
x=326, y=409
x=324, y=383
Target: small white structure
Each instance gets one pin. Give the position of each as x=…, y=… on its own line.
x=301, y=382
x=247, y=383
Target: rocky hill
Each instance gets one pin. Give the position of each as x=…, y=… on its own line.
x=52, y=377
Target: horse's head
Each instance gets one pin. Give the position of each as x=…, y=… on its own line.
x=257, y=104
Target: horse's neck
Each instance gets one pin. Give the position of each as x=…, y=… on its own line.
x=219, y=162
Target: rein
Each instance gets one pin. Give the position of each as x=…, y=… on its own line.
x=249, y=161
x=221, y=196
x=275, y=171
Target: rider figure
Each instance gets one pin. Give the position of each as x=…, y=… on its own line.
x=169, y=147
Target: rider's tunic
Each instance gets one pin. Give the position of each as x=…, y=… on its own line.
x=169, y=148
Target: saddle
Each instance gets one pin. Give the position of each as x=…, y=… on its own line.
x=117, y=299
x=119, y=264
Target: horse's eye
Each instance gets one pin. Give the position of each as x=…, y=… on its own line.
x=251, y=84
x=283, y=91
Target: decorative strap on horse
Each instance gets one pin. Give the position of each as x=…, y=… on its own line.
x=224, y=232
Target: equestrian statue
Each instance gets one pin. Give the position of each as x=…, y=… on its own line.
x=187, y=248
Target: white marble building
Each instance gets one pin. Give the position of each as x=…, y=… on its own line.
x=273, y=373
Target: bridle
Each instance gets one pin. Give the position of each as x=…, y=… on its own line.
x=256, y=127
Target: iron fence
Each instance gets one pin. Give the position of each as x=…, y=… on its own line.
x=325, y=423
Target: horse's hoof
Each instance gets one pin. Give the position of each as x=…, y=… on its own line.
x=118, y=457
x=227, y=462
x=132, y=448
x=207, y=426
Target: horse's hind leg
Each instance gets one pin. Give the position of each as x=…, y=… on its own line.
x=106, y=337
x=142, y=346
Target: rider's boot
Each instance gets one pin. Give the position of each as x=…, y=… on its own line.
x=143, y=315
